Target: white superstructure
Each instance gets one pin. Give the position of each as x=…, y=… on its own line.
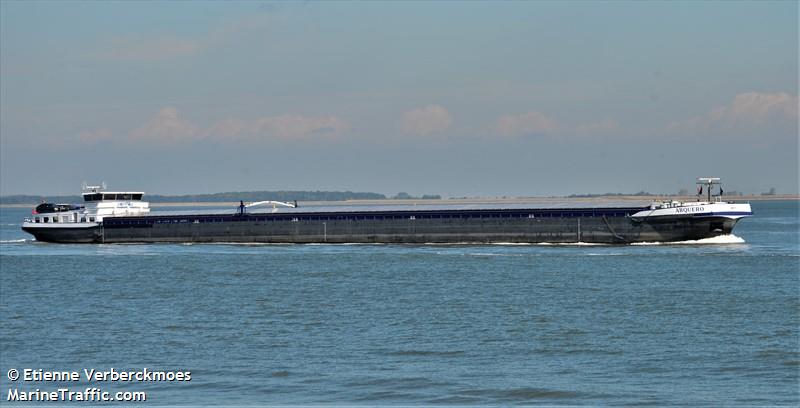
x=696, y=209
x=714, y=207
x=97, y=205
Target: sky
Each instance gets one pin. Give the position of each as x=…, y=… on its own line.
x=451, y=98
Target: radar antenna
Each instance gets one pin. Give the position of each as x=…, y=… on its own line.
x=87, y=188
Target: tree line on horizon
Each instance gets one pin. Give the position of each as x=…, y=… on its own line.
x=247, y=196
x=253, y=196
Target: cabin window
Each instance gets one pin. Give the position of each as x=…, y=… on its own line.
x=137, y=196
x=37, y=219
x=55, y=219
x=83, y=219
x=45, y=219
x=91, y=219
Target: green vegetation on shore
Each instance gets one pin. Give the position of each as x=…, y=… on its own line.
x=639, y=194
x=253, y=196
x=247, y=196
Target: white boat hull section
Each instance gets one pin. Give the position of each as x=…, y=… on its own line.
x=67, y=225
x=702, y=209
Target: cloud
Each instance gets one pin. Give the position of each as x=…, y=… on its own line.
x=754, y=107
x=165, y=127
x=525, y=124
x=285, y=127
x=751, y=109
x=427, y=120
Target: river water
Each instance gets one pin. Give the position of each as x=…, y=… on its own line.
x=695, y=323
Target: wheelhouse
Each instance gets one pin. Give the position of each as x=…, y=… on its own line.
x=112, y=196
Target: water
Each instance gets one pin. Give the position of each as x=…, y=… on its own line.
x=387, y=325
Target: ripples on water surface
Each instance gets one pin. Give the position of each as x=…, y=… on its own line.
x=387, y=324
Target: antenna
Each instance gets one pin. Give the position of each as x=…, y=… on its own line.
x=708, y=180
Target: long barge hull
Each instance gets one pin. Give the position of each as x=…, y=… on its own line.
x=595, y=225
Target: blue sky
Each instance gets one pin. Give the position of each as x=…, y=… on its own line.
x=451, y=98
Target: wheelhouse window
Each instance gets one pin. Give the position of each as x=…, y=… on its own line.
x=92, y=197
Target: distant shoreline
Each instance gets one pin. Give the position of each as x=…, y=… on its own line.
x=470, y=200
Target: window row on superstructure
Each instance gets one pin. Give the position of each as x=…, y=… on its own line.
x=61, y=218
x=112, y=197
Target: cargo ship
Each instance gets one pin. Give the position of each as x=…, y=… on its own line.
x=123, y=217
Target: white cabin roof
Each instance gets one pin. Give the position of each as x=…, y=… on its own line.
x=114, y=192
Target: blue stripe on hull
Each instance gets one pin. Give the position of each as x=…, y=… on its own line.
x=725, y=213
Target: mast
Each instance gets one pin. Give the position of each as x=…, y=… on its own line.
x=709, y=183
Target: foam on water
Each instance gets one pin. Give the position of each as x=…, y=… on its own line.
x=570, y=243
x=721, y=239
x=468, y=243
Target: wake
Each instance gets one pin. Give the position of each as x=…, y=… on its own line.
x=718, y=240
